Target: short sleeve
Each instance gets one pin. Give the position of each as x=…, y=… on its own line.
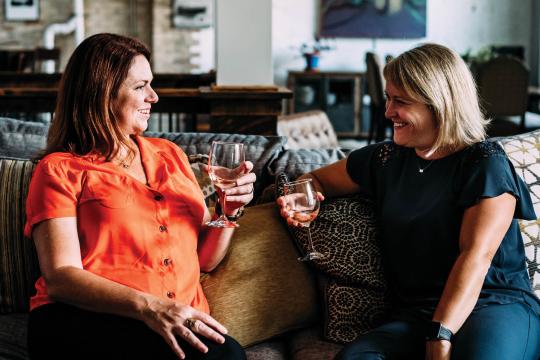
x=489, y=173
x=53, y=193
x=360, y=166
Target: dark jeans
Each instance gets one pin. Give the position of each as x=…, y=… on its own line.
x=502, y=332
x=60, y=331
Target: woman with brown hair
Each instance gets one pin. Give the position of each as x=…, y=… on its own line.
x=118, y=223
x=448, y=202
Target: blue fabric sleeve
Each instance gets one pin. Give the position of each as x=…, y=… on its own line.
x=492, y=176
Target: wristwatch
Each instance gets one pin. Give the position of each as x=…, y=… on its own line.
x=437, y=331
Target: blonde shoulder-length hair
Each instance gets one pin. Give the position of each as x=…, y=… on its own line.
x=437, y=76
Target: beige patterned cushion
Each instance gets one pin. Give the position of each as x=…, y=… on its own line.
x=307, y=130
x=524, y=152
x=260, y=290
x=18, y=262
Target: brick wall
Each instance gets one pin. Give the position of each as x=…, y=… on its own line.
x=171, y=50
x=28, y=34
x=147, y=20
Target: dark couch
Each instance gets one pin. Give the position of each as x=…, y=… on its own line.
x=267, y=299
x=20, y=141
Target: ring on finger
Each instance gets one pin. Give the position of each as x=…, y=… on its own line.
x=190, y=323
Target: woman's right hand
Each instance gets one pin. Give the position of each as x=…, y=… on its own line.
x=170, y=319
x=285, y=208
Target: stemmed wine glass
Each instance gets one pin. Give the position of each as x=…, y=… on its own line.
x=225, y=166
x=302, y=200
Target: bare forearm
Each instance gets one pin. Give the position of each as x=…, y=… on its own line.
x=89, y=291
x=213, y=246
x=462, y=290
x=482, y=231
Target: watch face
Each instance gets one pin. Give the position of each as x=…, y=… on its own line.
x=433, y=330
x=436, y=331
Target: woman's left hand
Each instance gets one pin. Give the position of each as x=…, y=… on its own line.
x=242, y=193
x=438, y=350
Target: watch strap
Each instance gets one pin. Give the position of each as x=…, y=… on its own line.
x=235, y=217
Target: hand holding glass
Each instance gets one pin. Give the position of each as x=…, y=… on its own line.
x=303, y=203
x=225, y=166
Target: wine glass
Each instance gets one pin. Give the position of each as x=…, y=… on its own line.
x=225, y=166
x=303, y=202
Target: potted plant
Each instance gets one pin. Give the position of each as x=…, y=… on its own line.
x=311, y=52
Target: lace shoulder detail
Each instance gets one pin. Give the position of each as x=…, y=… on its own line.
x=386, y=152
x=484, y=149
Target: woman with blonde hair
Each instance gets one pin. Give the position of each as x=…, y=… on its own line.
x=448, y=202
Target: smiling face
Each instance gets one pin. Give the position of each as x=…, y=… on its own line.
x=414, y=122
x=135, y=98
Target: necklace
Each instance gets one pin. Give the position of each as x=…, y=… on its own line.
x=422, y=169
x=123, y=163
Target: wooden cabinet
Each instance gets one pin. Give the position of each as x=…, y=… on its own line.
x=339, y=94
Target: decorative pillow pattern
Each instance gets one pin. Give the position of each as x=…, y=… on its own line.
x=346, y=232
x=19, y=268
x=350, y=311
x=198, y=163
x=523, y=151
x=353, y=284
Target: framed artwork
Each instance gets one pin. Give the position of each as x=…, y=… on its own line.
x=192, y=14
x=391, y=19
x=21, y=10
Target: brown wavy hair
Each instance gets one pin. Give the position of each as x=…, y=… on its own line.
x=84, y=121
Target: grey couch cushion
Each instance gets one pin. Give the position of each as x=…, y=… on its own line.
x=308, y=344
x=269, y=350
x=13, y=337
x=261, y=150
x=21, y=139
x=297, y=162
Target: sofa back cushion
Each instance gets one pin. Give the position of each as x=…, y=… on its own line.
x=18, y=264
x=21, y=139
x=300, y=161
x=524, y=153
x=307, y=130
x=260, y=150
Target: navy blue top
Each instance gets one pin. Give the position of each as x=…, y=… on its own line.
x=421, y=214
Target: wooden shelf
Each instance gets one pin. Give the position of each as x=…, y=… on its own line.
x=338, y=93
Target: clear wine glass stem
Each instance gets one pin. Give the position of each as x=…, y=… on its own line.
x=223, y=206
x=310, y=242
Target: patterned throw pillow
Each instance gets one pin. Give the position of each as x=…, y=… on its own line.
x=198, y=163
x=350, y=310
x=351, y=275
x=524, y=152
x=18, y=263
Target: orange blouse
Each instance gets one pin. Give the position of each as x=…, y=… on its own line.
x=142, y=236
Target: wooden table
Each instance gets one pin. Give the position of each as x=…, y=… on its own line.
x=231, y=111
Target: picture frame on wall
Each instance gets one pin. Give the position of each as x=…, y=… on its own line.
x=192, y=14
x=21, y=10
x=390, y=19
